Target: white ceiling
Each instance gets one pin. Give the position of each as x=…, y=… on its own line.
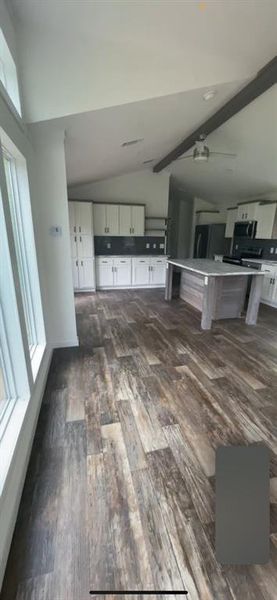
x=82, y=55
x=252, y=135
x=108, y=72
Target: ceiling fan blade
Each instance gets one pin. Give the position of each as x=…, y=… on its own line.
x=230, y=155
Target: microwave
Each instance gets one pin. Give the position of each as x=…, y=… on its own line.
x=245, y=229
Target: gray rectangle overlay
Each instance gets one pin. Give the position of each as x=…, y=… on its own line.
x=242, y=504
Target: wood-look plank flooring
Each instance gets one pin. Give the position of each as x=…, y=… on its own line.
x=120, y=490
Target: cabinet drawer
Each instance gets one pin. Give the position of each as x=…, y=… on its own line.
x=138, y=260
x=122, y=261
x=104, y=261
x=158, y=260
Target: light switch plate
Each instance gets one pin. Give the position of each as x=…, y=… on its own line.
x=55, y=230
x=154, y=245
x=271, y=250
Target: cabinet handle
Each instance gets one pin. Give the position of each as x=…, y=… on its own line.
x=108, y=229
x=76, y=263
x=75, y=238
x=82, y=263
x=133, y=230
x=80, y=229
x=80, y=238
x=74, y=228
x=130, y=229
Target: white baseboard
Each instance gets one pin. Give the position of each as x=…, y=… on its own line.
x=131, y=287
x=65, y=343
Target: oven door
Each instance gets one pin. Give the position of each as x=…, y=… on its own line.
x=246, y=229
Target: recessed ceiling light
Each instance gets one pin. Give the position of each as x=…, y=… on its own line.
x=131, y=142
x=209, y=95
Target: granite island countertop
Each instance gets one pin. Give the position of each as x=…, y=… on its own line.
x=212, y=268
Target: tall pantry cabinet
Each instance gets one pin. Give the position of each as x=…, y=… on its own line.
x=82, y=248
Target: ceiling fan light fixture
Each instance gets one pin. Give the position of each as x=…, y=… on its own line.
x=201, y=155
x=209, y=95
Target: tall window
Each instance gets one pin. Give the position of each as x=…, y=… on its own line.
x=8, y=74
x=20, y=247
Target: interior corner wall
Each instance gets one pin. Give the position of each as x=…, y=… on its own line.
x=54, y=253
x=142, y=187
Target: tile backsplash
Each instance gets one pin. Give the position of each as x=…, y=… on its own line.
x=129, y=245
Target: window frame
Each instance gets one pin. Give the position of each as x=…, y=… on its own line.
x=22, y=255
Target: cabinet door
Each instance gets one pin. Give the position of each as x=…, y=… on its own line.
x=75, y=273
x=85, y=246
x=72, y=218
x=112, y=219
x=140, y=271
x=122, y=272
x=158, y=271
x=86, y=273
x=138, y=220
x=274, y=289
x=73, y=243
x=104, y=272
x=83, y=211
x=99, y=219
x=267, y=290
x=231, y=219
x=125, y=227
x=266, y=218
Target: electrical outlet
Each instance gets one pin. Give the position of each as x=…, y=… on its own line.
x=275, y=250
x=271, y=250
x=147, y=246
x=162, y=247
x=109, y=245
x=154, y=245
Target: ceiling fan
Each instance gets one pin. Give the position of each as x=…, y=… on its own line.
x=201, y=152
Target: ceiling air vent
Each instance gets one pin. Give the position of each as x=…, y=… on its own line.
x=131, y=142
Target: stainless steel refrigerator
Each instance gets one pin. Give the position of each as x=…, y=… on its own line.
x=210, y=240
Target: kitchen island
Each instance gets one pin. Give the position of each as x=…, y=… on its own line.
x=217, y=289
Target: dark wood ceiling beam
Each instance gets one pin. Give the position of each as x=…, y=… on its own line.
x=264, y=79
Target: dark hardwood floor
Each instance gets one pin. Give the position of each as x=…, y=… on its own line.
x=120, y=488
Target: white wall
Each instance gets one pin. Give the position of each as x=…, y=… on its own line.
x=46, y=170
x=143, y=187
x=54, y=254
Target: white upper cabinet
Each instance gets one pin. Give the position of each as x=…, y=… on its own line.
x=112, y=219
x=267, y=221
x=231, y=219
x=72, y=218
x=125, y=219
x=106, y=219
x=137, y=220
x=84, y=217
x=118, y=219
x=247, y=212
x=99, y=219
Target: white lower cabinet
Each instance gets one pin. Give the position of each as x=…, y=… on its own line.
x=122, y=270
x=104, y=272
x=157, y=270
x=141, y=271
x=269, y=291
x=137, y=271
x=83, y=273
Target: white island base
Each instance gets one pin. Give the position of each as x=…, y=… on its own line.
x=218, y=290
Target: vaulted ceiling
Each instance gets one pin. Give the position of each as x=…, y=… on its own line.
x=109, y=72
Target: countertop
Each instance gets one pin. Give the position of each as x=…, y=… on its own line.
x=260, y=261
x=131, y=256
x=211, y=268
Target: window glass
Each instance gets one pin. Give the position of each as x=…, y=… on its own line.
x=11, y=180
